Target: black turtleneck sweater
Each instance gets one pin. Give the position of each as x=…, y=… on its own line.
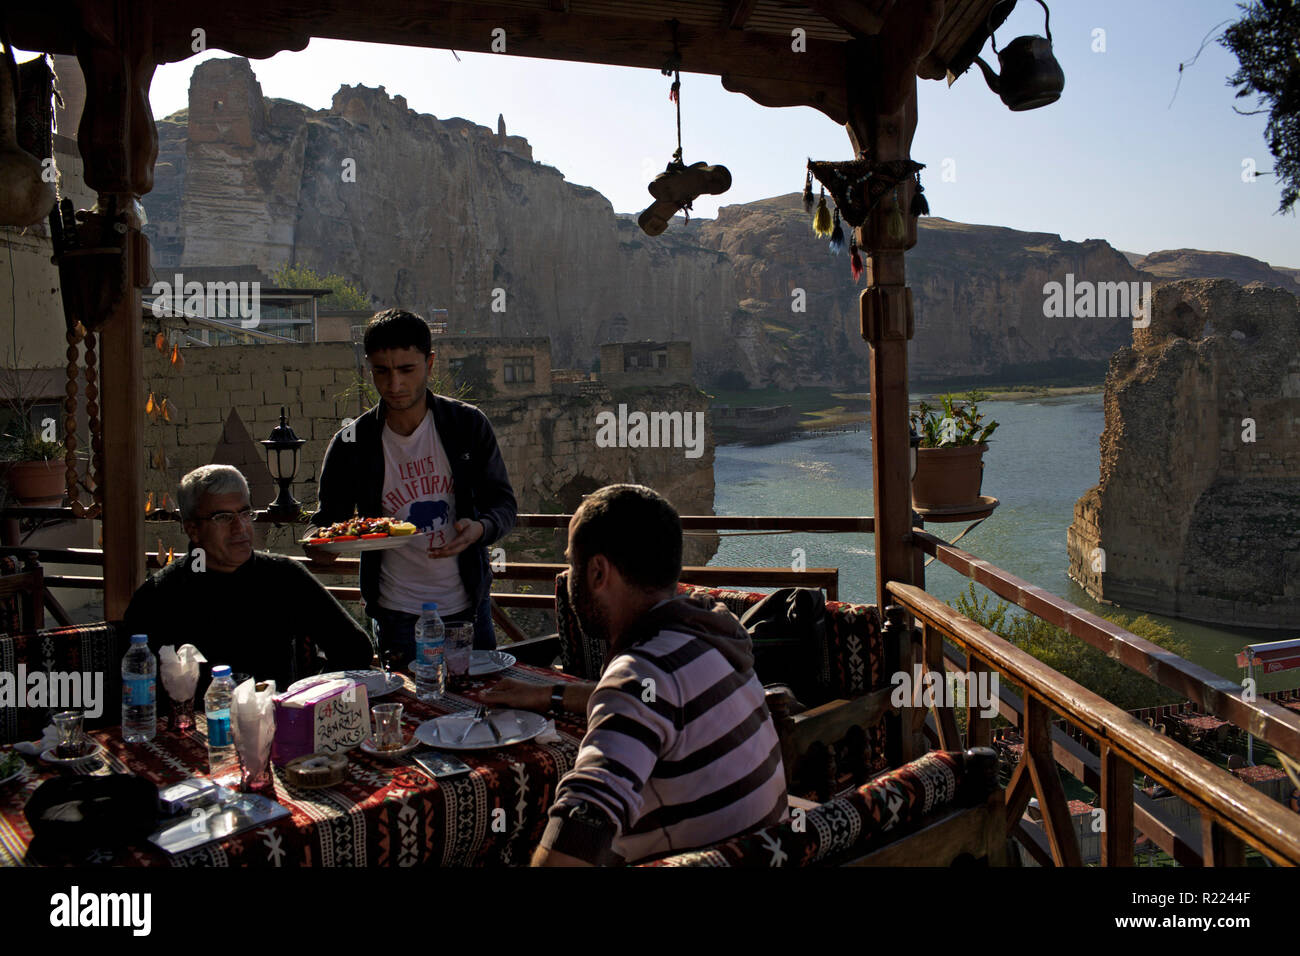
x=257, y=619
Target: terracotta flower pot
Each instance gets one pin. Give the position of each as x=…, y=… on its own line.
x=37, y=483
x=948, y=477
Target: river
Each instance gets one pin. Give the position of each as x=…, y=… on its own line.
x=1044, y=455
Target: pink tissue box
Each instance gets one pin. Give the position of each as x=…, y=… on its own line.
x=326, y=717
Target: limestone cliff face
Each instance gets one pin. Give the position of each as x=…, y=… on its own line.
x=977, y=290
x=1171, y=264
x=430, y=213
x=1197, y=513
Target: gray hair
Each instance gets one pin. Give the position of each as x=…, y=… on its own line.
x=208, y=480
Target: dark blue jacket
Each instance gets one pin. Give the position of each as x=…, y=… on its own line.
x=352, y=482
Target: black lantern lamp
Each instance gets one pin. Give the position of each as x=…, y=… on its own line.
x=282, y=458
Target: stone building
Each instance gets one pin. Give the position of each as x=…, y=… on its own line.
x=645, y=364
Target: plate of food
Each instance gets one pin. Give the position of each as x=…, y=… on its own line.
x=11, y=766
x=483, y=663
x=468, y=731
x=365, y=534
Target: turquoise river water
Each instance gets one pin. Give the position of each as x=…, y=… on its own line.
x=1044, y=456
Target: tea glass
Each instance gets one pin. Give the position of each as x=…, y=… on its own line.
x=388, y=726
x=72, y=741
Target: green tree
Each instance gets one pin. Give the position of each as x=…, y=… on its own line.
x=1266, y=42
x=1074, y=658
x=343, y=294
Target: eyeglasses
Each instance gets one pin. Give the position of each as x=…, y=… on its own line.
x=224, y=519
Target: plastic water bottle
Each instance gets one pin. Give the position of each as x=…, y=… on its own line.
x=139, y=692
x=223, y=761
x=430, y=664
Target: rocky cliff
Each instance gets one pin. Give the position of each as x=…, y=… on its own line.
x=977, y=290
x=1171, y=264
x=1197, y=513
x=425, y=213
x=431, y=213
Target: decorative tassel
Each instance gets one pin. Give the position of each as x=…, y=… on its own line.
x=894, y=224
x=807, y=194
x=920, y=205
x=855, y=259
x=674, y=91
x=837, y=236
x=822, y=221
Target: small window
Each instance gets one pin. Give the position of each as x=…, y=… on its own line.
x=518, y=369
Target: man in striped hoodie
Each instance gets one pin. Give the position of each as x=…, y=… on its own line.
x=680, y=750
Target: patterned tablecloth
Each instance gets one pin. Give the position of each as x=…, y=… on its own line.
x=382, y=814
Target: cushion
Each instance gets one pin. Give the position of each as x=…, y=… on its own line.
x=77, y=648
x=846, y=827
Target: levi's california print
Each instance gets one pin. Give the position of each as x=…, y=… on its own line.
x=418, y=488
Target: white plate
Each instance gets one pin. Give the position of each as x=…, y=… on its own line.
x=372, y=544
x=374, y=682
x=482, y=663
x=15, y=775
x=49, y=757
x=368, y=746
x=514, y=726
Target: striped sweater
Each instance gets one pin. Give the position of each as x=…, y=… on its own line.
x=680, y=750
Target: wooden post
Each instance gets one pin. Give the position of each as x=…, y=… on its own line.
x=882, y=120
x=1117, y=808
x=119, y=145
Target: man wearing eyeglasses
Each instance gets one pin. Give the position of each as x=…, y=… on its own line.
x=263, y=614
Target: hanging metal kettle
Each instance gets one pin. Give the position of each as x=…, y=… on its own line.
x=1030, y=76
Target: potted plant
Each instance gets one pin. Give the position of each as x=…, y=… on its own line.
x=31, y=456
x=949, y=461
x=34, y=468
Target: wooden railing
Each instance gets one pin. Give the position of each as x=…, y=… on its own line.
x=825, y=578
x=1232, y=812
x=1268, y=721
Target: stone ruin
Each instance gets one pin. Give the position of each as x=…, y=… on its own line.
x=1197, y=513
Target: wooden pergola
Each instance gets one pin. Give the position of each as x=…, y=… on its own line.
x=857, y=62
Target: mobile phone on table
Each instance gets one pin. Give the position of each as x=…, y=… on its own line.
x=440, y=765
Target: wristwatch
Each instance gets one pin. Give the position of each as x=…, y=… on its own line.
x=557, y=700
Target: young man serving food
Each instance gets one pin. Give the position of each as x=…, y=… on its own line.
x=426, y=462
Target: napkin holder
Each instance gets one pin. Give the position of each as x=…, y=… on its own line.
x=329, y=717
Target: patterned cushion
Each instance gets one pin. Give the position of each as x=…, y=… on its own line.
x=79, y=648
x=579, y=656
x=856, y=652
x=846, y=827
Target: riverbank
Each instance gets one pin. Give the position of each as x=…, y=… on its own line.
x=771, y=414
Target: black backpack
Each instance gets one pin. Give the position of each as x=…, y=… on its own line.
x=788, y=628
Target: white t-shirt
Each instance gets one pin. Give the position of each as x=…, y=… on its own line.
x=418, y=488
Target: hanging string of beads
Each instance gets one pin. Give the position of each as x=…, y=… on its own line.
x=95, y=471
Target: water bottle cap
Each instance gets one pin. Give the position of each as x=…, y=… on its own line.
x=221, y=670
x=430, y=605
x=139, y=639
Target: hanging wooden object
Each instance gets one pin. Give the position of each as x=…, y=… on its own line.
x=95, y=470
